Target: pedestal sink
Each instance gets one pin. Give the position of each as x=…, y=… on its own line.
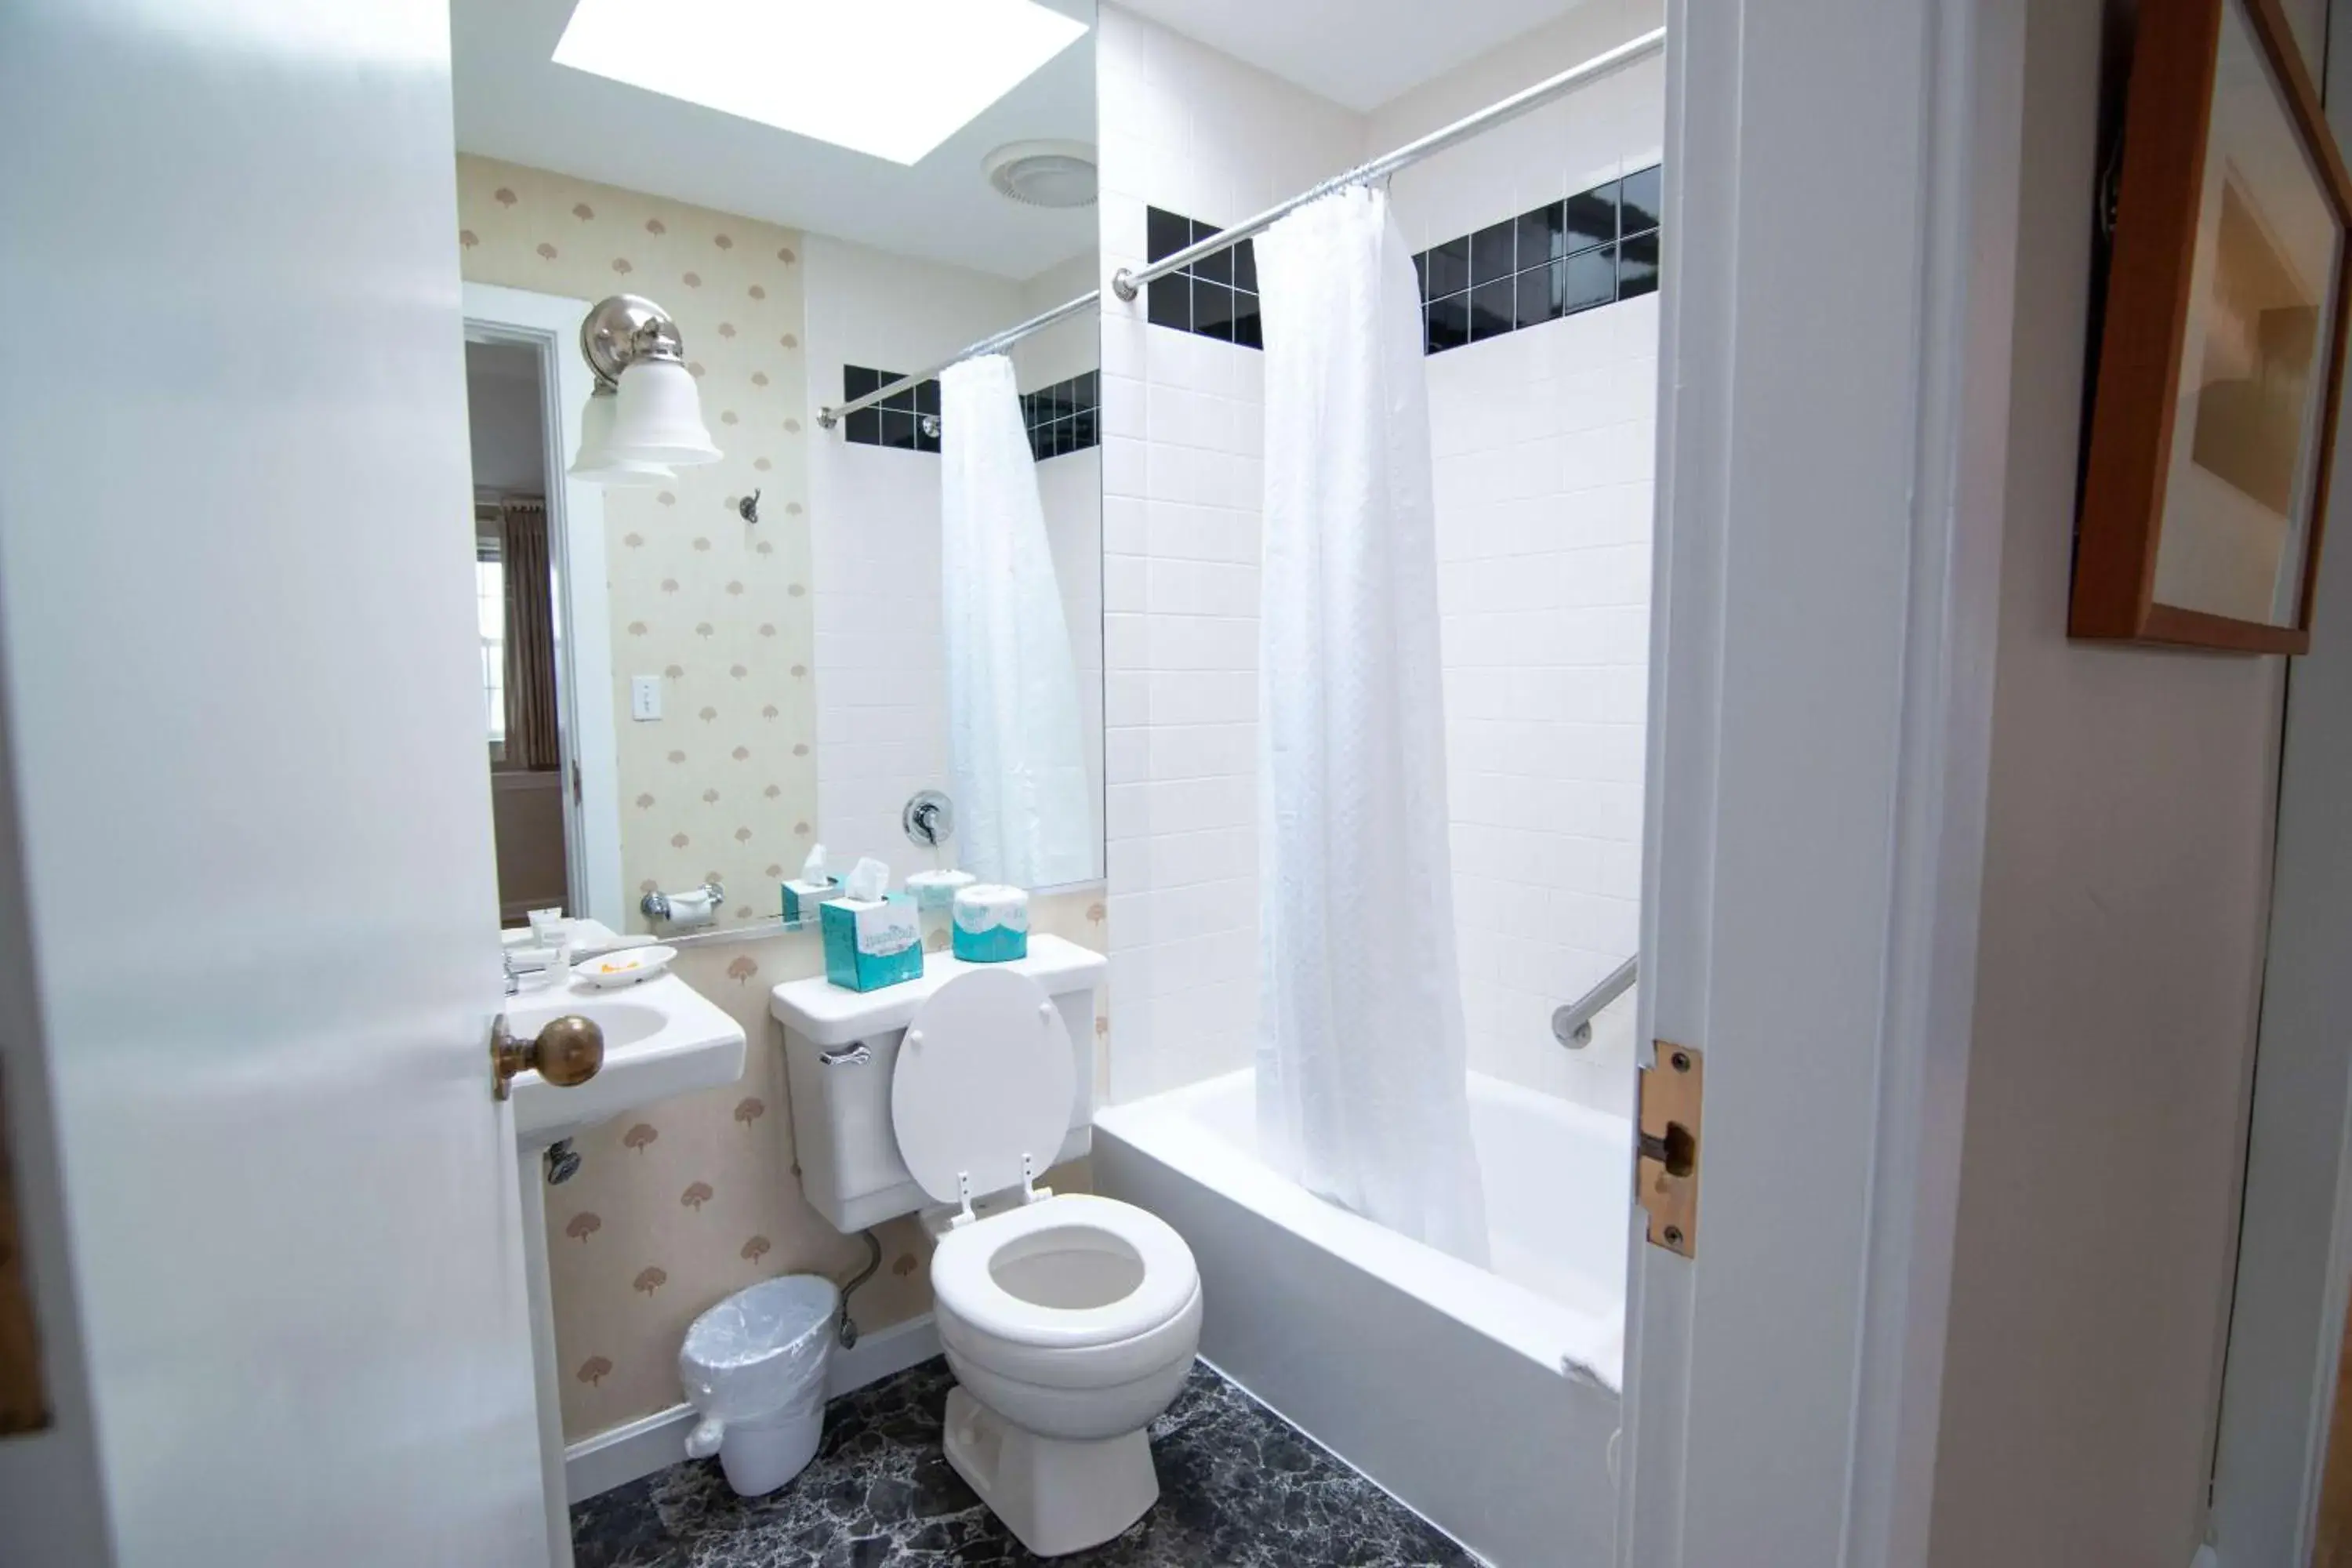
x=662, y=1038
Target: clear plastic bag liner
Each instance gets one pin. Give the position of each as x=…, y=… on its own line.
x=760, y=1351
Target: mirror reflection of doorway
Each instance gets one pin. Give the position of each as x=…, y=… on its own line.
x=515, y=601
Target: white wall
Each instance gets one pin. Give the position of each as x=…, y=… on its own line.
x=1067, y=347
x=1545, y=441
x=1573, y=145
x=1191, y=131
x=881, y=676
x=505, y=436
x=2126, y=883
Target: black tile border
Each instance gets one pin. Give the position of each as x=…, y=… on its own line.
x=1062, y=418
x=1216, y=297
x=1593, y=249
x=897, y=420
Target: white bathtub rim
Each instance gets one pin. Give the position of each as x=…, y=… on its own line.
x=1574, y=1346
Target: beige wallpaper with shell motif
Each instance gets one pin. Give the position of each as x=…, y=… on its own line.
x=681, y=1203
x=725, y=783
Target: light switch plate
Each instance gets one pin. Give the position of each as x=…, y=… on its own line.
x=644, y=697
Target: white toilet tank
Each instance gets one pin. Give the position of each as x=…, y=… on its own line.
x=841, y=1047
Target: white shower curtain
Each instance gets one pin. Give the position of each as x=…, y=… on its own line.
x=1361, y=1091
x=1015, y=746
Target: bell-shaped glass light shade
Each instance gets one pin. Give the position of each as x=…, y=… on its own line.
x=595, y=462
x=660, y=416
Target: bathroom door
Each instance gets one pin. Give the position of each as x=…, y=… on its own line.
x=246, y=917
x=1826, y=595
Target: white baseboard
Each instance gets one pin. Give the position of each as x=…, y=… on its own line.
x=624, y=1454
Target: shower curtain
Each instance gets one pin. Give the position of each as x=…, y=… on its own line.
x=1361, y=1060
x=1016, y=748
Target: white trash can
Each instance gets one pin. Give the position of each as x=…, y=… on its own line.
x=754, y=1366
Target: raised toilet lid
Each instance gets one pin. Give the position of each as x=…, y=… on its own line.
x=984, y=1076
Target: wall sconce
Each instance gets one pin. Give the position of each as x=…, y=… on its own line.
x=644, y=416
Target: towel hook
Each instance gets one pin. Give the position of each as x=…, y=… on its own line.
x=749, y=507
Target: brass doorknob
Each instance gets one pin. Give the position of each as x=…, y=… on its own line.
x=566, y=1052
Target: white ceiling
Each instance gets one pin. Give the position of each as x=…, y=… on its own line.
x=1357, y=53
x=514, y=102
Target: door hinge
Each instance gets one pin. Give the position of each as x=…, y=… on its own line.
x=1666, y=1163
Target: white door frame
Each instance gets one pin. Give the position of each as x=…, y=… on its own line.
x=2294, y=1237
x=549, y=325
x=1833, y=450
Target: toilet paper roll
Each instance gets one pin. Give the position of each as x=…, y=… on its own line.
x=699, y=908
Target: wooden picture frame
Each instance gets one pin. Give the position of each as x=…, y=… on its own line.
x=2216, y=255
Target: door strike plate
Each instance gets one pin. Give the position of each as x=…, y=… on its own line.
x=1666, y=1163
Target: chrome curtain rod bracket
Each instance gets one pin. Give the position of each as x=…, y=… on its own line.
x=827, y=418
x=1128, y=282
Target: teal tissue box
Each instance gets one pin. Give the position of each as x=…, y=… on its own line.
x=802, y=899
x=870, y=943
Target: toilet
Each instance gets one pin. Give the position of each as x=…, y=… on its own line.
x=1070, y=1322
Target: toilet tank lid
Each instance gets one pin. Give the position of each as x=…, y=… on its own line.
x=827, y=1014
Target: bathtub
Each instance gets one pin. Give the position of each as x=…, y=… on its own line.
x=1487, y=1402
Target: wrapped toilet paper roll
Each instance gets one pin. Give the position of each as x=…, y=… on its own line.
x=938, y=889
x=986, y=906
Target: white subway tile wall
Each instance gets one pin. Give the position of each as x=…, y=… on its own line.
x=1543, y=441
x=1544, y=446
x=1191, y=130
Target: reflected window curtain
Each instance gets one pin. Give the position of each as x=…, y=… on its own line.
x=531, y=637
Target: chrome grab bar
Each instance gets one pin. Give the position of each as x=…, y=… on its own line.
x=1572, y=1025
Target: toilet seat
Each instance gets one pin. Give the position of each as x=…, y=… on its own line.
x=964, y=1277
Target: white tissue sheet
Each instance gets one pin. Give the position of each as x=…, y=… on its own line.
x=1024, y=813
x=1361, y=1059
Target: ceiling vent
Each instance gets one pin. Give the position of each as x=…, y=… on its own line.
x=1044, y=174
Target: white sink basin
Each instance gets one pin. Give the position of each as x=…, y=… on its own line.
x=662, y=1037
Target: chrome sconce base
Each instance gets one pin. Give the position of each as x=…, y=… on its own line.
x=620, y=330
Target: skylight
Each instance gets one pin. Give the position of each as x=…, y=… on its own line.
x=889, y=78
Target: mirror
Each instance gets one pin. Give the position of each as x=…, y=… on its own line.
x=868, y=634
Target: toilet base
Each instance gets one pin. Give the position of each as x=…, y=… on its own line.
x=1055, y=1496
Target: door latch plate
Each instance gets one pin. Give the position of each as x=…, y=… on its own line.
x=1665, y=1164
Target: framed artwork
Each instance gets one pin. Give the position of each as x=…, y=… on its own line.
x=2221, y=358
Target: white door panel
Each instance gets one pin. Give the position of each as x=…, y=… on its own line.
x=242, y=693
x=1831, y=459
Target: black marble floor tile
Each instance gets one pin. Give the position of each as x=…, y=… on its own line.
x=1239, y=1487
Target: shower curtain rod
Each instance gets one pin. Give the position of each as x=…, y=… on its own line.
x=829, y=418
x=1128, y=283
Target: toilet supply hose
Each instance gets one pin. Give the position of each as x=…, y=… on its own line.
x=847, y=1332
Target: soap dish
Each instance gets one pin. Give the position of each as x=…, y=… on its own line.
x=623, y=966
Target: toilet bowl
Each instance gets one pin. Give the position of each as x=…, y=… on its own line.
x=1070, y=1322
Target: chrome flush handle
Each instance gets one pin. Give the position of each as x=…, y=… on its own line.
x=855, y=1055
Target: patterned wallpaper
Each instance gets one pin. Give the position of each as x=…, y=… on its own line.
x=684, y=1201
x=725, y=784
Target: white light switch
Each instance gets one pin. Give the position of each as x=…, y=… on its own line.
x=644, y=697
